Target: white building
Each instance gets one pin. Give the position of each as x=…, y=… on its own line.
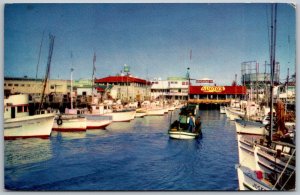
x=175, y=88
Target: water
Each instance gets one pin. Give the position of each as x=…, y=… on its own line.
x=136, y=155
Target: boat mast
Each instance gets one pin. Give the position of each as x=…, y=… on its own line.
x=51, y=44
x=72, y=88
x=71, y=91
x=272, y=65
x=94, y=69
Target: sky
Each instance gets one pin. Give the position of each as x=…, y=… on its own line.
x=155, y=40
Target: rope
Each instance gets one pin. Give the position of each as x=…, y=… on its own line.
x=283, y=170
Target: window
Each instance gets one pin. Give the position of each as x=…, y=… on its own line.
x=20, y=109
x=22, y=85
x=4, y=84
x=52, y=86
x=25, y=108
x=16, y=85
x=10, y=84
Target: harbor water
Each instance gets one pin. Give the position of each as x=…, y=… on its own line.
x=136, y=155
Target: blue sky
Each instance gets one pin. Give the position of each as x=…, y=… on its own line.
x=153, y=39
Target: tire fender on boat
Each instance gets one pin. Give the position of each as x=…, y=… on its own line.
x=59, y=121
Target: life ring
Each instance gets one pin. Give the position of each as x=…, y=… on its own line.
x=267, y=127
x=59, y=121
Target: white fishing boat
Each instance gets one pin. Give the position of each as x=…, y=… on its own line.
x=122, y=116
x=250, y=127
x=69, y=122
x=222, y=110
x=171, y=108
x=231, y=115
x=93, y=121
x=140, y=113
x=96, y=121
x=18, y=123
x=155, y=111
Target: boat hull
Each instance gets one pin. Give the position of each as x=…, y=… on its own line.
x=182, y=135
x=37, y=126
x=251, y=128
x=97, y=121
x=140, y=114
x=155, y=112
x=70, y=123
x=125, y=116
x=247, y=180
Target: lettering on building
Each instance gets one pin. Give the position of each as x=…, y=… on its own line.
x=213, y=89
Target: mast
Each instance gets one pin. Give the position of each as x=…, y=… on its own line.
x=72, y=88
x=272, y=65
x=71, y=91
x=51, y=44
x=94, y=69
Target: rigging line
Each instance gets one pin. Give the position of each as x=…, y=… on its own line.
x=267, y=17
x=39, y=57
x=287, y=179
x=284, y=169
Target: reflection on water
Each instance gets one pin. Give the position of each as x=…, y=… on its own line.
x=68, y=135
x=135, y=155
x=25, y=151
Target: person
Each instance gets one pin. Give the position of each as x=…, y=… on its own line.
x=191, y=121
x=198, y=123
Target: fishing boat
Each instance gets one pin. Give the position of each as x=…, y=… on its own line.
x=250, y=127
x=140, y=113
x=179, y=129
x=222, y=110
x=93, y=121
x=18, y=123
x=122, y=116
x=69, y=122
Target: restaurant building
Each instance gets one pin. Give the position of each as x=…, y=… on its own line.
x=216, y=94
x=126, y=88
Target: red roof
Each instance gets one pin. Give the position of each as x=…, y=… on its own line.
x=120, y=79
x=195, y=90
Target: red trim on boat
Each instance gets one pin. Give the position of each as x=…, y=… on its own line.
x=97, y=127
x=68, y=129
x=25, y=137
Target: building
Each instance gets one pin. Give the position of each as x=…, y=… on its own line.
x=216, y=94
x=175, y=88
x=126, y=88
x=55, y=90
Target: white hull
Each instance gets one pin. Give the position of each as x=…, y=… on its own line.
x=182, y=135
x=140, y=114
x=96, y=121
x=122, y=116
x=155, y=112
x=171, y=108
x=222, y=110
x=249, y=181
x=250, y=128
x=232, y=116
x=28, y=126
x=246, y=152
x=70, y=123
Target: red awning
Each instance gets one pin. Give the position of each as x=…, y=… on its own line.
x=121, y=79
x=198, y=90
